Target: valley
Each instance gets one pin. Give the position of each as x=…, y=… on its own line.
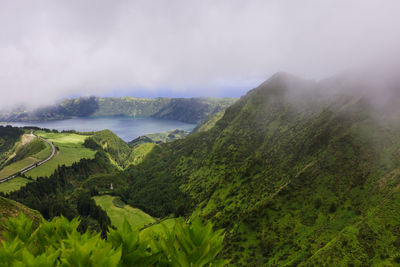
x=291, y=176
x=118, y=211
x=200, y=133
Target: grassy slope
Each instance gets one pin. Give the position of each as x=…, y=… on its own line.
x=16, y=166
x=140, y=152
x=309, y=182
x=135, y=217
x=193, y=110
x=13, y=184
x=33, y=154
x=10, y=208
x=44, y=153
x=37, y=150
x=209, y=122
x=118, y=150
x=71, y=150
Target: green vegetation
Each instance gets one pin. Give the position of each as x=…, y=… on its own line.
x=61, y=193
x=34, y=147
x=308, y=182
x=70, y=149
x=118, y=150
x=159, y=138
x=118, y=212
x=191, y=110
x=139, y=152
x=102, y=182
x=45, y=153
x=58, y=243
x=208, y=123
x=17, y=166
x=13, y=184
x=11, y=209
x=25, y=155
x=296, y=179
x=9, y=136
x=62, y=138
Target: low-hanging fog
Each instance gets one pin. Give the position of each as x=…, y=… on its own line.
x=52, y=49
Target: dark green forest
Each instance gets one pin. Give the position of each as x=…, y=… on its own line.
x=60, y=194
x=296, y=179
x=8, y=137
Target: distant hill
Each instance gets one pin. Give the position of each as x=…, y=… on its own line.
x=158, y=138
x=300, y=173
x=190, y=110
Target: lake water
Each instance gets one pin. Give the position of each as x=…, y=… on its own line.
x=127, y=128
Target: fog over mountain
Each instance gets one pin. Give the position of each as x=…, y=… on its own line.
x=52, y=49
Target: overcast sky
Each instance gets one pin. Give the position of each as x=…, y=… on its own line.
x=51, y=49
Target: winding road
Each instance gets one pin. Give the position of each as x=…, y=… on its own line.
x=34, y=165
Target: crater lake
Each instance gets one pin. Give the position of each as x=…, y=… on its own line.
x=127, y=128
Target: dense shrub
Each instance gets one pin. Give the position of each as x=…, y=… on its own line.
x=58, y=243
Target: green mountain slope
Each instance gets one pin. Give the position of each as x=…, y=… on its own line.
x=158, y=138
x=210, y=122
x=298, y=177
x=118, y=150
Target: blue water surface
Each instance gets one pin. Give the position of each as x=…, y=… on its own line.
x=127, y=128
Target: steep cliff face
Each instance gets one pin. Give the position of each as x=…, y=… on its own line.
x=297, y=173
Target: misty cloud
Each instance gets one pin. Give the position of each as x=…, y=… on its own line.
x=51, y=49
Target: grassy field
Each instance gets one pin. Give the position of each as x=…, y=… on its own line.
x=44, y=153
x=70, y=150
x=13, y=184
x=16, y=166
x=149, y=232
x=20, y=164
x=135, y=217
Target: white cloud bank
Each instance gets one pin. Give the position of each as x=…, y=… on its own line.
x=50, y=49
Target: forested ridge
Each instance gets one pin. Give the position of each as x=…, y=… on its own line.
x=190, y=110
x=296, y=177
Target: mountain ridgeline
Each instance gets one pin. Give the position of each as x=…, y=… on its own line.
x=296, y=172
x=190, y=110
